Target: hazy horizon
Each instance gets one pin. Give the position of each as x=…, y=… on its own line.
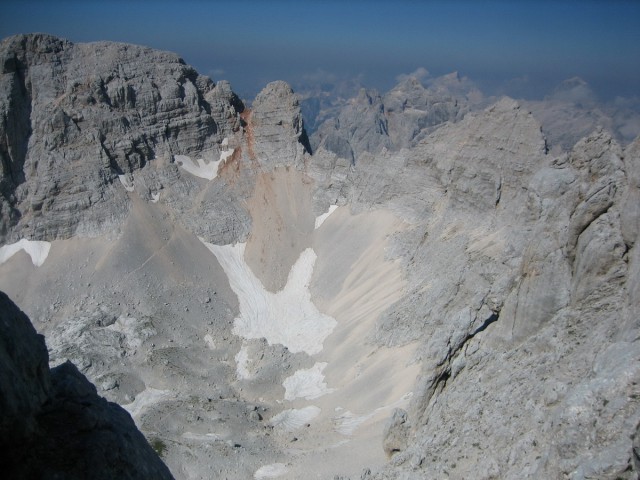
x=523, y=49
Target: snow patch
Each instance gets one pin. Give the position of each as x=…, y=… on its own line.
x=205, y=437
x=144, y=399
x=295, y=418
x=226, y=154
x=287, y=317
x=37, y=250
x=242, y=358
x=348, y=422
x=127, y=182
x=320, y=220
x=200, y=168
x=306, y=383
x=270, y=471
x=155, y=197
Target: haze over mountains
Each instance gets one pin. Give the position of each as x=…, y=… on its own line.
x=430, y=283
x=567, y=113
x=521, y=49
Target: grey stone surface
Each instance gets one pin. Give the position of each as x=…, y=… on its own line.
x=277, y=134
x=521, y=264
x=572, y=111
x=74, y=117
x=360, y=127
x=522, y=284
x=398, y=119
x=396, y=432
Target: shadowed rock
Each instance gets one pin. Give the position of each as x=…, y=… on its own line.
x=53, y=423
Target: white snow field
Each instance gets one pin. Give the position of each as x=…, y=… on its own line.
x=127, y=182
x=320, y=219
x=144, y=399
x=287, y=317
x=37, y=250
x=295, y=418
x=273, y=470
x=205, y=327
x=306, y=383
x=200, y=168
x=333, y=294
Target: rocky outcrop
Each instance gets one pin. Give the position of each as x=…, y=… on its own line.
x=277, y=134
x=396, y=433
x=413, y=110
x=73, y=118
x=522, y=291
x=520, y=266
x=360, y=127
x=397, y=119
x=570, y=304
x=86, y=126
x=54, y=425
x=572, y=111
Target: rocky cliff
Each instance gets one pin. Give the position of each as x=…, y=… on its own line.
x=522, y=291
x=397, y=119
x=572, y=111
x=411, y=110
x=54, y=425
x=435, y=293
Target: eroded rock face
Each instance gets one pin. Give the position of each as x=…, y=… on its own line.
x=396, y=432
x=522, y=291
x=84, y=125
x=518, y=290
x=275, y=121
x=398, y=119
x=75, y=117
x=54, y=425
x=360, y=127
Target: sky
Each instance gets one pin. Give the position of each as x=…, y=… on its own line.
x=523, y=48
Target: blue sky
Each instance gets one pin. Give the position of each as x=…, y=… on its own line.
x=500, y=44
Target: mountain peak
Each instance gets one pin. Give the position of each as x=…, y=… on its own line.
x=574, y=90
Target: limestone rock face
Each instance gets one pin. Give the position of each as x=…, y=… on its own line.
x=75, y=117
x=54, y=425
x=278, y=136
x=87, y=126
x=414, y=110
x=397, y=119
x=396, y=432
x=515, y=269
x=522, y=291
x=365, y=128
